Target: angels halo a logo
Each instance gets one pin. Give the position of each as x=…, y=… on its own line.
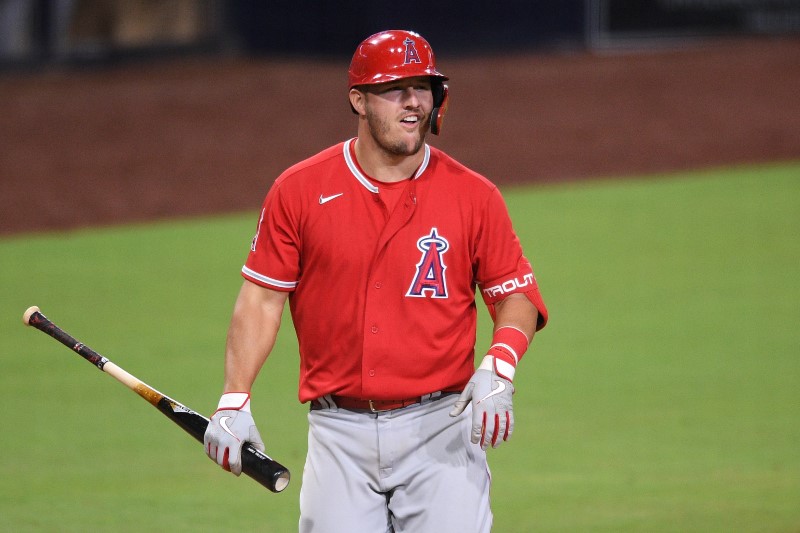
x=412, y=56
x=430, y=279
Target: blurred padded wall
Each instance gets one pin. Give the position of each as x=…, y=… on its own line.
x=35, y=32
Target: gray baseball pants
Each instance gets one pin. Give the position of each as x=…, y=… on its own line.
x=412, y=469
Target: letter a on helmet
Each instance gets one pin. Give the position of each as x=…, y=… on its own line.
x=411, y=52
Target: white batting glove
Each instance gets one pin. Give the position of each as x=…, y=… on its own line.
x=492, y=406
x=230, y=427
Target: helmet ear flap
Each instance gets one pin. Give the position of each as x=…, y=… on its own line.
x=440, y=102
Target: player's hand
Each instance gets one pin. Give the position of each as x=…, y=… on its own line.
x=230, y=427
x=492, y=408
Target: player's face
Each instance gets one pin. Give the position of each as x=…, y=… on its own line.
x=398, y=114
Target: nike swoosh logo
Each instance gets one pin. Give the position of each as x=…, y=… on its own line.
x=224, y=423
x=326, y=199
x=500, y=388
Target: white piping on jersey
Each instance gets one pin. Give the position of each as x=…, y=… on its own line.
x=264, y=279
x=364, y=180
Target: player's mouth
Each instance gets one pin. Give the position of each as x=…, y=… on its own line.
x=411, y=121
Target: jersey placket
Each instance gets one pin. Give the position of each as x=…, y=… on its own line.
x=375, y=318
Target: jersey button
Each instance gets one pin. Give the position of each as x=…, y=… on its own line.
x=378, y=284
x=372, y=373
x=374, y=329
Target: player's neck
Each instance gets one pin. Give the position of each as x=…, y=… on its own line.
x=383, y=166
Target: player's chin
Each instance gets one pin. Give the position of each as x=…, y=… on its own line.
x=403, y=142
x=413, y=138
x=413, y=146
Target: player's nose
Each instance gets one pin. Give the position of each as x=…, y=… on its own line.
x=410, y=97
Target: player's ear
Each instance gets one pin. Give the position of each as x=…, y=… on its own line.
x=358, y=101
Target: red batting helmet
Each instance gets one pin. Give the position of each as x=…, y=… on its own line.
x=397, y=54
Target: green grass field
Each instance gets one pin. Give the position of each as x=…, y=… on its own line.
x=664, y=396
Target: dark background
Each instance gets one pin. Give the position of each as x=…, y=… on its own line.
x=33, y=32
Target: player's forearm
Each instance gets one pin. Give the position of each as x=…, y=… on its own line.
x=514, y=326
x=251, y=336
x=516, y=311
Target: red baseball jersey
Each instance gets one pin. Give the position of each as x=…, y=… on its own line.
x=383, y=297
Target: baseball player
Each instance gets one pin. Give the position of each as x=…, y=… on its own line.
x=380, y=243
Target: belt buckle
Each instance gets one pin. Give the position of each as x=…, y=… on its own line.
x=373, y=410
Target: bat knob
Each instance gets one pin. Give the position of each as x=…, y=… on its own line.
x=26, y=318
x=282, y=481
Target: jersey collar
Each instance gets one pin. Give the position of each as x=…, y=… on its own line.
x=353, y=166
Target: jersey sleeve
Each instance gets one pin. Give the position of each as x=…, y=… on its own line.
x=502, y=269
x=273, y=261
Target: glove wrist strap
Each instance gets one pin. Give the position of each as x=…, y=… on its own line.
x=498, y=366
x=234, y=401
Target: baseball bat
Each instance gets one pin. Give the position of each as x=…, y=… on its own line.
x=255, y=463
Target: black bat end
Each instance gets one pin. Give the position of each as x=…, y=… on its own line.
x=262, y=468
